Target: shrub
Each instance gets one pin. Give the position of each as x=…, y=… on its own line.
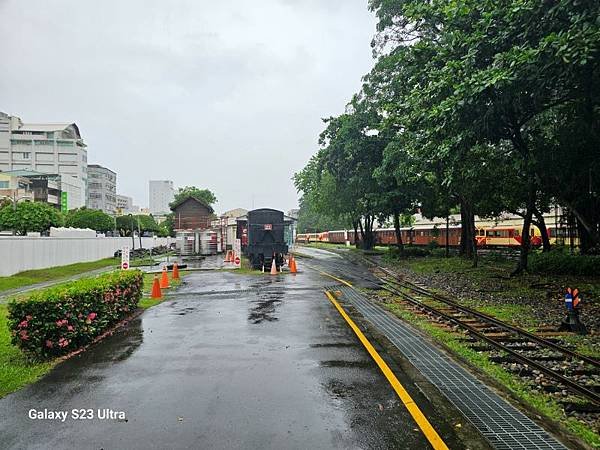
x=58, y=320
x=561, y=263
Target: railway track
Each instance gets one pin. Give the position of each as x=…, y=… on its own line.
x=568, y=369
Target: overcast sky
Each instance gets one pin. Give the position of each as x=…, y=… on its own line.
x=225, y=95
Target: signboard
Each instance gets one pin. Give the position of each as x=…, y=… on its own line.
x=64, y=205
x=237, y=247
x=125, y=258
x=268, y=226
x=237, y=261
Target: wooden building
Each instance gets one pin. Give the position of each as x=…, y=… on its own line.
x=190, y=213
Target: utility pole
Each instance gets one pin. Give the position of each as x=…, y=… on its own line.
x=139, y=230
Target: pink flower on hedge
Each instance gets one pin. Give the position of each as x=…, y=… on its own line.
x=23, y=324
x=23, y=334
x=49, y=343
x=62, y=342
x=70, y=328
x=61, y=322
x=92, y=315
x=28, y=317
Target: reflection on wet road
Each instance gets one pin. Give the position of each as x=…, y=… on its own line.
x=269, y=363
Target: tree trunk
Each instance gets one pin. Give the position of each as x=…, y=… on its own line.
x=541, y=224
x=355, y=226
x=525, y=236
x=591, y=237
x=369, y=239
x=447, y=236
x=362, y=234
x=468, y=239
x=463, y=229
x=399, y=242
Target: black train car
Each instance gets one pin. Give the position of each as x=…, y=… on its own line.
x=266, y=238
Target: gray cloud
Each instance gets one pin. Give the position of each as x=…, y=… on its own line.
x=226, y=95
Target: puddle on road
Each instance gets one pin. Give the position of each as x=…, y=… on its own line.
x=266, y=306
x=346, y=364
x=335, y=345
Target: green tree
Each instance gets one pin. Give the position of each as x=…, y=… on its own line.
x=146, y=224
x=166, y=227
x=89, y=218
x=30, y=216
x=205, y=195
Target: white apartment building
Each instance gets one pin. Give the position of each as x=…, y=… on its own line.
x=53, y=148
x=161, y=194
x=102, y=187
x=125, y=205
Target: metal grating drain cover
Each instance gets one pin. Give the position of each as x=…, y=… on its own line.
x=504, y=426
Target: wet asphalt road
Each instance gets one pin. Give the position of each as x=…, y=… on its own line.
x=271, y=365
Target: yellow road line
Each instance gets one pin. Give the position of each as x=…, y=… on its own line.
x=434, y=439
x=337, y=279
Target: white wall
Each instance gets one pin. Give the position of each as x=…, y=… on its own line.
x=21, y=253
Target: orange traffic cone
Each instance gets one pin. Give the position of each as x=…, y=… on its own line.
x=164, y=279
x=175, y=271
x=273, y=268
x=293, y=268
x=156, y=293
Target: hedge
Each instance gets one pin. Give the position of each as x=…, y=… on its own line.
x=61, y=319
x=560, y=263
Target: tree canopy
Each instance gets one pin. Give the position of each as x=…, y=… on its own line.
x=205, y=195
x=89, y=218
x=145, y=224
x=480, y=106
x=30, y=217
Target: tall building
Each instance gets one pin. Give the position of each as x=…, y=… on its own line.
x=53, y=148
x=125, y=205
x=161, y=194
x=102, y=188
x=62, y=191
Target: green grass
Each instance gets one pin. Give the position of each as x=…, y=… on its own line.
x=16, y=370
x=145, y=261
x=519, y=389
x=495, y=270
x=29, y=277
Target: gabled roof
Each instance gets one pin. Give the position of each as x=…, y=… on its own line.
x=190, y=197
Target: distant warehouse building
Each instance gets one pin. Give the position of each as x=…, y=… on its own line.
x=102, y=189
x=192, y=220
x=51, y=148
